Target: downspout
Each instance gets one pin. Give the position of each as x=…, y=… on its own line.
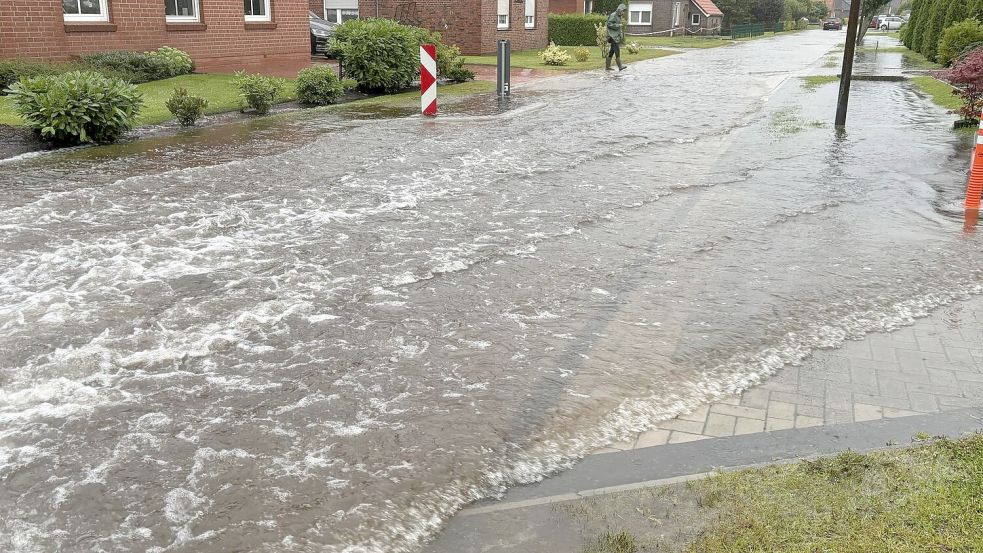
x=377, y=9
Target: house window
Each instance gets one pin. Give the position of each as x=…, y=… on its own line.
x=181, y=11
x=696, y=19
x=257, y=10
x=530, y=14
x=588, y=6
x=340, y=15
x=503, y=14
x=640, y=14
x=86, y=10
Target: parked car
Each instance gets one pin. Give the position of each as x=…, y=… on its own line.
x=891, y=23
x=832, y=24
x=321, y=33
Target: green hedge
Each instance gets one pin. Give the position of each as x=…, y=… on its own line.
x=574, y=29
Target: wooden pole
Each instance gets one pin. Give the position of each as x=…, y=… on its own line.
x=846, y=74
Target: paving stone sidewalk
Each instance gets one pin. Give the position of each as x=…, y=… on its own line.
x=936, y=365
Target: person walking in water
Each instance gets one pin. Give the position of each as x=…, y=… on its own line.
x=615, y=34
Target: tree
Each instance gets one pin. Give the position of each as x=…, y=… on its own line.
x=796, y=10
x=868, y=10
x=818, y=10
x=736, y=12
x=768, y=11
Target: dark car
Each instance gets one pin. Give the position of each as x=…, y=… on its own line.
x=832, y=24
x=321, y=33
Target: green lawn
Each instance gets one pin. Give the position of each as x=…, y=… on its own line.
x=218, y=89
x=912, y=500
x=681, y=41
x=529, y=59
x=941, y=93
x=926, y=498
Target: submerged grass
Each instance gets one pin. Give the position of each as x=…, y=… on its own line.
x=529, y=59
x=942, y=94
x=927, y=498
x=813, y=82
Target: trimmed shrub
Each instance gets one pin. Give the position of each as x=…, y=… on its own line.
x=574, y=29
x=319, y=86
x=257, y=92
x=633, y=48
x=188, y=108
x=384, y=56
x=956, y=38
x=131, y=66
x=581, y=54
x=179, y=62
x=77, y=107
x=12, y=71
x=554, y=55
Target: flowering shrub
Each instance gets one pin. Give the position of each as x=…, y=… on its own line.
x=554, y=55
x=967, y=76
x=581, y=54
x=633, y=48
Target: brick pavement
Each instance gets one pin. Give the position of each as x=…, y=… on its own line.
x=935, y=365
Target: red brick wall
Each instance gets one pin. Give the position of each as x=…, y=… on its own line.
x=566, y=6
x=470, y=24
x=521, y=38
x=317, y=6
x=36, y=29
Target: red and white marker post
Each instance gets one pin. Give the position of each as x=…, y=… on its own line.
x=428, y=79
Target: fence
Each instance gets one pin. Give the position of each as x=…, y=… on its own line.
x=747, y=31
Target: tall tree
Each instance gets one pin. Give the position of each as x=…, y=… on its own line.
x=768, y=11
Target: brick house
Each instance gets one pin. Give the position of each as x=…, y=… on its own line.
x=220, y=35
x=684, y=17
x=570, y=6
x=474, y=25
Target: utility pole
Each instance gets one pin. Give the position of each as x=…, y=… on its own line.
x=846, y=74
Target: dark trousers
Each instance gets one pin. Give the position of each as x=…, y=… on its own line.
x=615, y=48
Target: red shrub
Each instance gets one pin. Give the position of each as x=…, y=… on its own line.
x=967, y=76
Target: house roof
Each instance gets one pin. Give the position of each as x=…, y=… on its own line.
x=708, y=7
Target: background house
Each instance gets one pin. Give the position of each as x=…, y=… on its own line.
x=336, y=11
x=686, y=17
x=473, y=25
x=570, y=6
x=220, y=35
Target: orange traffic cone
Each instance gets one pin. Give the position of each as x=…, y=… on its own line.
x=975, y=186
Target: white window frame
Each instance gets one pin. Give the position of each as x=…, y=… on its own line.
x=196, y=18
x=503, y=14
x=101, y=17
x=641, y=10
x=694, y=19
x=340, y=16
x=261, y=18
x=530, y=14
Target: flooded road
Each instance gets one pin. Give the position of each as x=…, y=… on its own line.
x=328, y=333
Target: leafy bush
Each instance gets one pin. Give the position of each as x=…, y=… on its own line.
x=384, y=56
x=77, y=107
x=956, y=38
x=967, y=76
x=554, y=55
x=319, y=86
x=633, y=48
x=581, y=54
x=131, y=66
x=179, y=62
x=12, y=71
x=574, y=29
x=257, y=92
x=380, y=54
x=188, y=108
x=601, y=39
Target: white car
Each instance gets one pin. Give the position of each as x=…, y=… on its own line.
x=890, y=23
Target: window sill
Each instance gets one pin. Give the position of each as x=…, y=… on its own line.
x=73, y=27
x=186, y=27
x=260, y=26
